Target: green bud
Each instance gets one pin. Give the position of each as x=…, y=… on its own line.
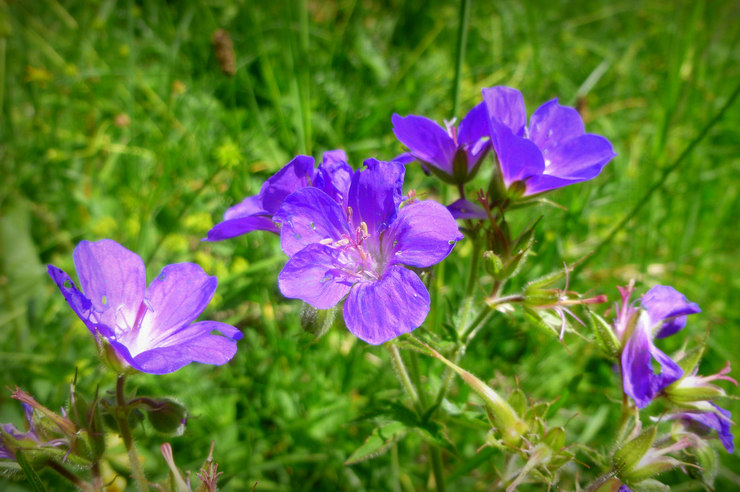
x=555, y=438
x=605, y=337
x=500, y=413
x=317, y=321
x=493, y=264
x=460, y=166
x=628, y=456
x=166, y=415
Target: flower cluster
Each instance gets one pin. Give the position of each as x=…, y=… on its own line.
x=552, y=152
x=662, y=313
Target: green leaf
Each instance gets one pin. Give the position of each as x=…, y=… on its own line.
x=31, y=475
x=379, y=441
x=627, y=457
x=605, y=336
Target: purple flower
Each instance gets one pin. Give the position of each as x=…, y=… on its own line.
x=356, y=251
x=255, y=213
x=552, y=152
x=31, y=436
x=662, y=307
x=704, y=422
x=668, y=307
x=150, y=328
x=454, y=154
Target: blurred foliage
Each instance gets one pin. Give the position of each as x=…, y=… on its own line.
x=118, y=121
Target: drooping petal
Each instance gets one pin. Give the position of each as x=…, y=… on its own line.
x=666, y=304
x=310, y=216
x=318, y=275
x=405, y=158
x=426, y=140
x=720, y=421
x=81, y=305
x=519, y=158
x=375, y=194
x=173, y=300
x=423, y=234
x=553, y=124
x=112, y=277
x=474, y=126
x=252, y=205
x=236, y=227
x=639, y=380
x=193, y=343
x=580, y=157
x=295, y=175
x=335, y=175
x=506, y=105
x=464, y=209
x=379, y=311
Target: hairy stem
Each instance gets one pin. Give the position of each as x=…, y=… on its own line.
x=122, y=412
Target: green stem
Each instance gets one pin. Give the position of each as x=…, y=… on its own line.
x=462, y=36
x=403, y=376
x=122, y=416
x=439, y=478
x=79, y=483
x=593, y=487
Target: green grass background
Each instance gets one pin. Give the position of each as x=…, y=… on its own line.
x=117, y=122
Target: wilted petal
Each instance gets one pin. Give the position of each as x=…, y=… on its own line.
x=423, y=234
x=474, y=126
x=236, y=227
x=506, y=105
x=666, y=304
x=173, y=300
x=427, y=140
x=317, y=275
x=112, y=277
x=193, y=343
x=309, y=216
x=252, y=205
x=553, y=124
x=375, y=194
x=379, y=311
x=295, y=175
x=464, y=209
x=720, y=421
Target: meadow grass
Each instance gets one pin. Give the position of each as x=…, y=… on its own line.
x=118, y=122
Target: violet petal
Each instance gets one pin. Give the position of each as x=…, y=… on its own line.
x=315, y=275
x=309, y=216
x=426, y=140
x=423, y=234
x=379, y=311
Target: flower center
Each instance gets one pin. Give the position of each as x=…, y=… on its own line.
x=359, y=255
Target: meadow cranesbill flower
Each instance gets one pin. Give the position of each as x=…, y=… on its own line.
x=453, y=153
x=663, y=310
x=357, y=251
x=552, y=152
x=255, y=213
x=149, y=328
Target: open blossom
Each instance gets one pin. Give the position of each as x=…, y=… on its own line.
x=149, y=328
x=552, y=152
x=255, y=213
x=664, y=310
x=357, y=251
x=454, y=153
